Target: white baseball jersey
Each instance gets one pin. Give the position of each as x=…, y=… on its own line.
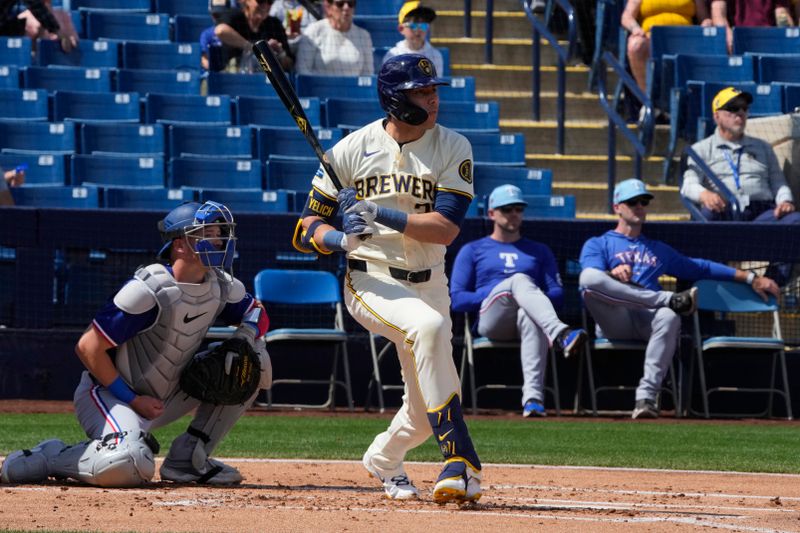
x=405, y=178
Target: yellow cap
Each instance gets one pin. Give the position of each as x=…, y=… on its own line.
x=725, y=96
x=416, y=10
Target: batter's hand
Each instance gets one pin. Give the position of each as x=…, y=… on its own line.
x=764, y=285
x=712, y=201
x=368, y=210
x=355, y=224
x=346, y=198
x=784, y=208
x=147, y=406
x=622, y=273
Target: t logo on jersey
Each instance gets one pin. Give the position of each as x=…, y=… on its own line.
x=509, y=261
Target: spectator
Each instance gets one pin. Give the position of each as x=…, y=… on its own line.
x=34, y=29
x=731, y=13
x=11, y=178
x=640, y=16
x=620, y=287
x=296, y=18
x=335, y=46
x=238, y=29
x=42, y=12
x=514, y=285
x=414, y=23
x=746, y=165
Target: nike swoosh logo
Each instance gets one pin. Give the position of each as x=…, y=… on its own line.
x=187, y=318
x=442, y=437
x=367, y=154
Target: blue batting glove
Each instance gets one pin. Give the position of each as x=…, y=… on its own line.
x=346, y=198
x=354, y=224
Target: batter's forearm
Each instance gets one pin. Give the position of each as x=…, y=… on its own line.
x=431, y=227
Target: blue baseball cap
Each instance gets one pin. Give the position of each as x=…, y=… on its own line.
x=506, y=195
x=632, y=188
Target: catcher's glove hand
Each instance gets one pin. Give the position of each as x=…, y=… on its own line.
x=227, y=374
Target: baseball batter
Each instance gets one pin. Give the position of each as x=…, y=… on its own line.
x=134, y=352
x=408, y=183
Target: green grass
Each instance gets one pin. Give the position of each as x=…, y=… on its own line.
x=690, y=445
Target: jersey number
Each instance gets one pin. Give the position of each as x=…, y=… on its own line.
x=424, y=208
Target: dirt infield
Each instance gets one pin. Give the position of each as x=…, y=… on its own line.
x=286, y=495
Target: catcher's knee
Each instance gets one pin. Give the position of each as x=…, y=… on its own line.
x=124, y=460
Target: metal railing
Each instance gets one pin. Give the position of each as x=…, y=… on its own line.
x=724, y=191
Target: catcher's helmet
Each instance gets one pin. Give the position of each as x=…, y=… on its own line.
x=191, y=219
x=401, y=73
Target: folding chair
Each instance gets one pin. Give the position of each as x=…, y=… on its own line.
x=474, y=345
x=729, y=299
x=376, y=381
x=320, y=289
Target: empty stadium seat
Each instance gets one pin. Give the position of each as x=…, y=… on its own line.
x=60, y=78
x=182, y=7
x=42, y=169
x=15, y=51
x=294, y=174
x=250, y=199
x=161, y=56
x=271, y=111
x=145, y=81
x=189, y=27
x=111, y=171
x=9, y=77
x=532, y=181
x=351, y=114
x=158, y=198
x=187, y=109
x=385, y=8
x=23, y=104
x=206, y=173
x=57, y=196
x=118, y=139
x=49, y=137
x=211, y=141
x=506, y=149
x=291, y=142
x=763, y=40
x=364, y=87
x=127, y=26
x=791, y=97
x=555, y=206
x=382, y=28
x=88, y=54
x=140, y=6
x=240, y=84
x=470, y=116
x=118, y=107
x=461, y=89
x=777, y=68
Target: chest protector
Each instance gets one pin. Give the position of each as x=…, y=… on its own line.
x=151, y=362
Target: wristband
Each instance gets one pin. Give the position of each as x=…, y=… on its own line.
x=308, y=234
x=751, y=277
x=121, y=390
x=332, y=240
x=392, y=218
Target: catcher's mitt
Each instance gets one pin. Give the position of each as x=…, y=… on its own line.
x=228, y=374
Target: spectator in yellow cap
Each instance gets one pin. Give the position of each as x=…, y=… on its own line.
x=414, y=23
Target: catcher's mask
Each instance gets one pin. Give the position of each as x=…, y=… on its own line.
x=402, y=73
x=208, y=229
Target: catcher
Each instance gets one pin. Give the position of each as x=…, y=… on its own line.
x=142, y=371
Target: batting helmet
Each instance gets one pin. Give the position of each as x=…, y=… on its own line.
x=191, y=219
x=399, y=74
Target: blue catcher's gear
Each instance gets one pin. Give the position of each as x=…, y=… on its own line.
x=216, y=249
x=399, y=74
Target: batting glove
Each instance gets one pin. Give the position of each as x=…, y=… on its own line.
x=372, y=212
x=346, y=198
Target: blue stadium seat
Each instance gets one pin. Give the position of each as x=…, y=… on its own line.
x=470, y=116
x=145, y=81
x=290, y=142
x=57, y=196
x=58, y=78
x=189, y=27
x=199, y=173
x=763, y=40
x=182, y=7
x=135, y=6
x=88, y=54
x=123, y=139
x=385, y=8
x=230, y=142
x=550, y=206
x=23, y=104
x=461, y=89
x=445, y=60
x=271, y=111
x=43, y=169
x=350, y=113
x=187, y=109
x=712, y=68
x=778, y=68
x=250, y=199
x=240, y=84
x=504, y=149
x=294, y=174
x=158, y=198
x=382, y=28
x=112, y=171
x=35, y=137
x=127, y=26
x=161, y=56
x=532, y=181
x=118, y=107
x=9, y=77
x=363, y=87
x=15, y=51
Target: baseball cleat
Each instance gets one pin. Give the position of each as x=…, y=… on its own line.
x=684, y=302
x=571, y=341
x=645, y=409
x=457, y=483
x=30, y=466
x=395, y=482
x=533, y=409
x=214, y=473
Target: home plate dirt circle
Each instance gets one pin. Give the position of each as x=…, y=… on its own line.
x=304, y=495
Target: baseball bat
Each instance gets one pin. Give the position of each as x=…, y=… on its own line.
x=280, y=83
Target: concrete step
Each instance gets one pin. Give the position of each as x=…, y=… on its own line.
x=476, y=5
x=519, y=104
x=593, y=169
x=508, y=51
x=519, y=77
x=593, y=197
x=450, y=23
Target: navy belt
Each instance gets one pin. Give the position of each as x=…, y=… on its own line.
x=419, y=276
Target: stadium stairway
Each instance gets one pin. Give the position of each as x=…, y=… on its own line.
x=582, y=170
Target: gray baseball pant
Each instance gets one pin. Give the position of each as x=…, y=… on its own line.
x=623, y=311
x=517, y=309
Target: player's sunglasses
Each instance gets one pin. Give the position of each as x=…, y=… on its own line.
x=507, y=209
x=340, y=3
x=633, y=202
x=424, y=26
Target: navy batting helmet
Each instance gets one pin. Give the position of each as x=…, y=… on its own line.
x=401, y=73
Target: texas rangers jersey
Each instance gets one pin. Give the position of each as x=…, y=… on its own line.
x=406, y=178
